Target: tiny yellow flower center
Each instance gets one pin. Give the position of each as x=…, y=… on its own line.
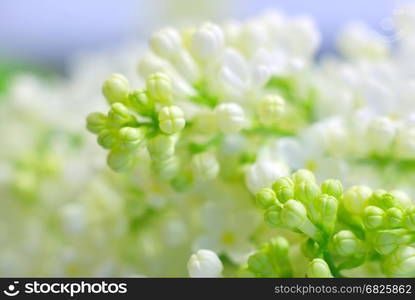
x=228, y=238
x=311, y=165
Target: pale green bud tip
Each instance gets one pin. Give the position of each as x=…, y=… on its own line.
x=115, y=88
x=139, y=101
x=167, y=168
x=279, y=246
x=166, y=42
x=307, y=191
x=318, y=268
x=171, y=119
x=293, y=214
x=270, y=109
x=95, y=122
x=107, y=139
x=259, y=263
x=204, y=263
x=393, y=217
x=373, y=217
x=325, y=211
x=161, y=147
x=285, y=193
x=410, y=218
x=119, y=161
x=131, y=137
x=303, y=175
x=386, y=241
x=356, y=198
x=265, y=198
x=119, y=113
x=205, y=166
x=345, y=243
x=273, y=216
x=159, y=87
x=282, y=181
x=230, y=117
x=387, y=200
x=402, y=262
x=332, y=187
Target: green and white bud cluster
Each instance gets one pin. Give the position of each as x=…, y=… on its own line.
x=135, y=118
x=344, y=227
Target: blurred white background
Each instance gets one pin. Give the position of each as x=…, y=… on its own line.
x=48, y=32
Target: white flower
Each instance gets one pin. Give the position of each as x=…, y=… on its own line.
x=207, y=41
x=358, y=41
x=230, y=117
x=204, y=263
x=227, y=227
x=263, y=174
x=405, y=143
x=166, y=42
x=380, y=134
x=271, y=108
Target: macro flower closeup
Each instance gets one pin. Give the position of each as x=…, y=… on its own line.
x=211, y=144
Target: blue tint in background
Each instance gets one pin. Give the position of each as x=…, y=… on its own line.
x=48, y=32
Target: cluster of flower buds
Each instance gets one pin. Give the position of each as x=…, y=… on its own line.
x=137, y=117
x=343, y=230
x=203, y=84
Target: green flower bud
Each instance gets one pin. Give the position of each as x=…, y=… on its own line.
x=279, y=247
x=387, y=200
x=285, y=193
x=409, y=218
x=282, y=181
x=318, y=268
x=260, y=264
x=386, y=241
x=265, y=198
x=401, y=263
x=107, y=139
x=373, y=217
x=326, y=212
x=205, y=166
x=131, y=137
x=303, y=175
x=345, y=243
x=332, y=187
x=310, y=248
x=402, y=199
x=293, y=214
x=278, y=252
x=356, y=198
x=140, y=102
x=377, y=196
x=119, y=114
x=96, y=122
x=272, y=216
x=271, y=108
x=167, y=168
x=393, y=217
x=115, y=88
x=119, y=160
x=307, y=191
x=171, y=119
x=160, y=88
x=161, y=147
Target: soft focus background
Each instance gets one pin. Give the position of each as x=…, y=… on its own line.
x=49, y=32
